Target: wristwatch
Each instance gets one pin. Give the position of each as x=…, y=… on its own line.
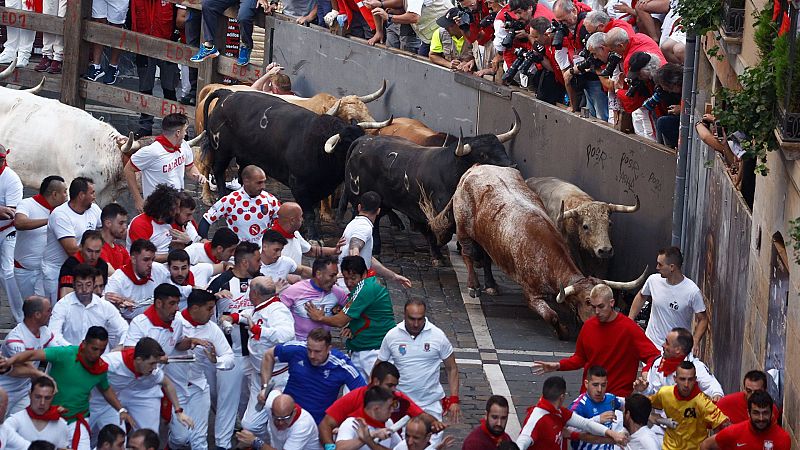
x=122, y=411
x=179, y=411
x=264, y=387
x=389, y=19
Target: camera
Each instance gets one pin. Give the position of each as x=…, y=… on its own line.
x=525, y=62
x=488, y=20
x=614, y=59
x=465, y=17
x=559, y=31
x=637, y=87
x=651, y=103
x=589, y=62
x=512, y=26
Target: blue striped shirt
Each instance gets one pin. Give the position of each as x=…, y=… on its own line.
x=588, y=408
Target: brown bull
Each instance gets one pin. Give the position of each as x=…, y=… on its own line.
x=416, y=132
x=496, y=213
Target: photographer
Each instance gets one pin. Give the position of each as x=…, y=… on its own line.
x=640, y=98
x=481, y=24
x=669, y=79
x=511, y=28
x=421, y=15
x=568, y=36
x=449, y=47
x=600, y=21
x=549, y=80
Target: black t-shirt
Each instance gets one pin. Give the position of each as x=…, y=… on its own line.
x=67, y=272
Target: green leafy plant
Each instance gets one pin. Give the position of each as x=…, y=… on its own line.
x=794, y=238
x=780, y=59
x=700, y=16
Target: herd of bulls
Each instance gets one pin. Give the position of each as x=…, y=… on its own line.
x=546, y=234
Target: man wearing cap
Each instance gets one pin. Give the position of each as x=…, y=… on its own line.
x=10, y=196
x=449, y=46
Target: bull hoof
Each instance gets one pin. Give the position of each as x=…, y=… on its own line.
x=563, y=332
x=492, y=291
x=474, y=292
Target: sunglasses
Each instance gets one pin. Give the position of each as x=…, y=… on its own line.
x=282, y=419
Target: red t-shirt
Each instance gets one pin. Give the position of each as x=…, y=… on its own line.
x=349, y=405
x=116, y=256
x=618, y=23
x=735, y=407
x=548, y=426
x=742, y=436
x=475, y=27
x=640, y=42
x=481, y=439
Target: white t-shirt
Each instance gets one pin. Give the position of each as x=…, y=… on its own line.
x=64, y=222
x=161, y=166
x=279, y=269
x=671, y=306
x=200, y=252
x=193, y=373
x=643, y=439
x=10, y=440
x=428, y=11
x=248, y=217
x=55, y=432
x=301, y=435
x=295, y=248
x=418, y=360
x=71, y=320
x=403, y=445
x=145, y=227
x=19, y=340
x=141, y=326
x=30, y=243
x=128, y=385
x=10, y=195
x=360, y=227
x=120, y=283
x=348, y=431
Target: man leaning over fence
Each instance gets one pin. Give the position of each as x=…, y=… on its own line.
x=213, y=11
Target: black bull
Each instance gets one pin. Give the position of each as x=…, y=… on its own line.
x=285, y=140
x=407, y=176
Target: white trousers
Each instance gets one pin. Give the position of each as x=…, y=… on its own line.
x=254, y=420
x=7, y=245
x=146, y=412
x=29, y=282
x=229, y=394
x=50, y=282
x=19, y=41
x=83, y=443
x=53, y=44
x=434, y=409
x=643, y=123
x=197, y=405
x=364, y=362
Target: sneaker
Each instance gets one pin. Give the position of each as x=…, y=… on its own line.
x=23, y=62
x=94, y=73
x=43, y=65
x=204, y=53
x=6, y=58
x=244, y=56
x=111, y=75
x=187, y=100
x=55, y=67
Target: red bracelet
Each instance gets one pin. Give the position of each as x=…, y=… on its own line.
x=448, y=401
x=453, y=399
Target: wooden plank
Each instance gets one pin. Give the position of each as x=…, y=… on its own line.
x=134, y=101
x=76, y=53
x=248, y=74
x=29, y=78
x=141, y=44
x=31, y=21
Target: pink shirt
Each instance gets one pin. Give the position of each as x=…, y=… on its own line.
x=297, y=295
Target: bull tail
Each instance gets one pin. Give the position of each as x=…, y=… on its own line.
x=439, y=222
x=221, y=94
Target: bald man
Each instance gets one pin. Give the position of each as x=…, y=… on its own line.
x=248, y=211
x=288, y=223
x=290, y=428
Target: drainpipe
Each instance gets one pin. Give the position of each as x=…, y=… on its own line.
x=687, y=98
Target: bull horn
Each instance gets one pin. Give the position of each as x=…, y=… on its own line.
x=334, y=109
x=196, y=139
x=375, y=95
x=564, y=293
x=331, y=143
x=128, y=147
x=564, y=215
x=624, y=208
x=375, y=125
x=7, y=73
x=37, y=88
x=628, y=285
x=508, y=135
x=462, y=149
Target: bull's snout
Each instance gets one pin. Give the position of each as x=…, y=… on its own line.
x=605, y=252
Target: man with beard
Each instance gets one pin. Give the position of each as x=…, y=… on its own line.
x=318, y=295
x=89, y=253
x=219, y=249
x=115, y=229
x=184, y=229
x=181, y=274
x=155, y=223
x=81, y=309
x=734, y=405
x=754, y=434
x=492, y=430
x=158, y=322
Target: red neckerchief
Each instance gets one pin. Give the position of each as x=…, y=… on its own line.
x=670, y=365
x=277, y=227
x=177, y=226
x=79, y=257
x=207, y=248
x=189, y=279
x=5, y=164
x=695, y=392
x=128, y=270
x=369, y=420
x=50, y=415
x=297, y=411
x=152, y=315
x=168, y=146
x=127, y=358
x=39, y=198
x=98, y=368
x=189, y=319
x=267, y=303
x=495, y=439
x=549, y=407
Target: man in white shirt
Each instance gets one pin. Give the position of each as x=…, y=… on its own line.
x=162, y=162
x=674, y=300
x=41, y=420
x=81, y=309
x=277, y=266
x=219, y=249
x=288, y=223
x=358, y=237
x=370, y=423
x=30, y=221
x=10, y=197
x=32, y=333
x=184, y=228
x=290, y=426
x=158, y=321
x=181, y=274
x=155, y=222
x=248, y=211
x=65, y=226
x=209, y=348
x=418, y=435
x=417, y=347
x=9, y=439
x=636, y=415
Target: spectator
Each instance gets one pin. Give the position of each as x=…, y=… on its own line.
x=81, y=309
x=549, y=81
x=114, y=13
x=673, y=38
x=290, y=426
x=248, y=211
x=517, y=14
x=600, y=21
x=144, y=439
x=449, y=46
x=288, y=223
x=369, y=423
x=111, y=437
x=30, y=220
x=687, y=430
x=213, y=11
x=622, y=10
x=492, y=430
x=277, y=266
x=10, y=197
x=273, y=81
x=635, y=419
x=598, y=405
x=219, y=249
x=401, y=36
x=610, y=340
x=312, y=363
x=115, y=229
x=315, y=297
x=367, y=314
x=184, y=229
x=358, y=18
x=649, y=16
x=89, y=253
x=675, y=299
x=52, y=44
x=421, y=15
x=669, y=78
x=19, y=41
x=162, y=162
x=546, y=420
x=417, y=436
x=735, y=405
x=481, y=28
x=384, y=374
x=755, y=434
